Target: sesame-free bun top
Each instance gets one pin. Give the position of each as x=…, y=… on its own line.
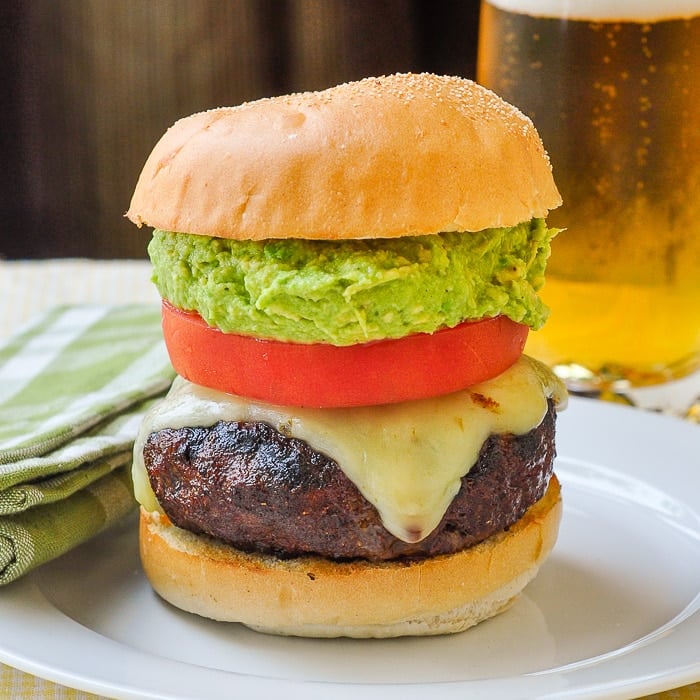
x=382, y=157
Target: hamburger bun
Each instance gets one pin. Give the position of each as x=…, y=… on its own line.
x=354, y=161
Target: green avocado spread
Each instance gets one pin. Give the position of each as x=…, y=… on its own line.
x=347, y=292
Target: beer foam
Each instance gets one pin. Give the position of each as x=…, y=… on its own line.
x=605, y=10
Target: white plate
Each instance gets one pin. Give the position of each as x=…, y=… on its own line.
x=613, y=613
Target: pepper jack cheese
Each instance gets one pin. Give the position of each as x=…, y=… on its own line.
x=406, y=459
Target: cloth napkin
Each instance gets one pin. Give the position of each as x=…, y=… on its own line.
x=75, y=383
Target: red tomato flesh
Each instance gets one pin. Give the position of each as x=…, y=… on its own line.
x=328, y=376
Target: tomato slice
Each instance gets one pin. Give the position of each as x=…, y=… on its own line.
x=326, y=376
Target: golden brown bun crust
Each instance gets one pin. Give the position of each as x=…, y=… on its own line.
x=311, y=596
x=383, y=157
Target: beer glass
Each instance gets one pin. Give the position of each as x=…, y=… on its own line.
x=613, y=87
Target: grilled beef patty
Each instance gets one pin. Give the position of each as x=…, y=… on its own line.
x=259, y=490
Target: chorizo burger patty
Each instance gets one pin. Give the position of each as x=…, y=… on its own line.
x=251, y=486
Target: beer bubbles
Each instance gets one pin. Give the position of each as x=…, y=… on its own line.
x=613, y=88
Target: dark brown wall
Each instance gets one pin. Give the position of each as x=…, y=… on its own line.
x=90, y=85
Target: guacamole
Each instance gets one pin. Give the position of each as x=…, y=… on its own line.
x=347, y=292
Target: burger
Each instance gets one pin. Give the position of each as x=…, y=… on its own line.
x=356, y=444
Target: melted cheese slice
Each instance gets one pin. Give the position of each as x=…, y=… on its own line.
x=406, y=459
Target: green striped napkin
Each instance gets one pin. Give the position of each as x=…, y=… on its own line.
x=74, y=386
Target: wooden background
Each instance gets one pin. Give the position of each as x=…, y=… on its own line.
x=90, y=85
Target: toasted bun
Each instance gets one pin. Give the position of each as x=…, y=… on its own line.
x=383, y=157
x=315, y=597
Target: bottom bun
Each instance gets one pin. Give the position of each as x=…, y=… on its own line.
x=315, y=597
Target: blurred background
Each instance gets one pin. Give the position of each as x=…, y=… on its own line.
x=90, y=85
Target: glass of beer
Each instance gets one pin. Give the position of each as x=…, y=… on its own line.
x=613, y=87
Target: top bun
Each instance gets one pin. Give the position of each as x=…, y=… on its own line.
x=399, y=155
